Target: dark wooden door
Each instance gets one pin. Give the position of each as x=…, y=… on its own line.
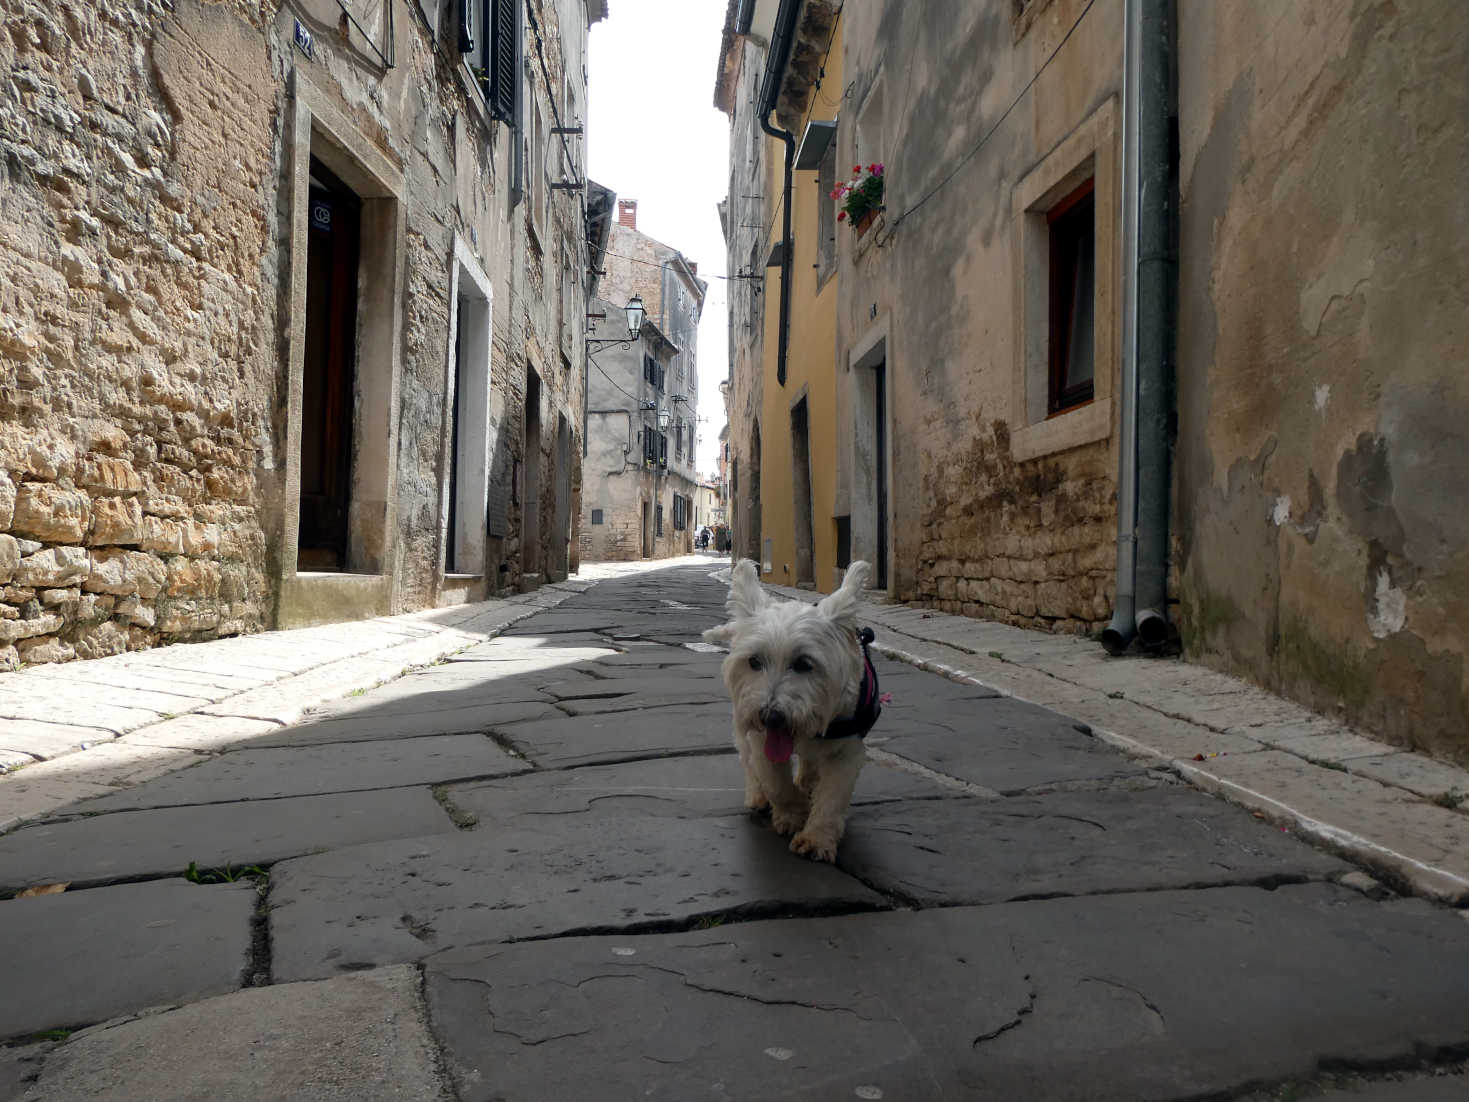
x=333, y=241
x=880, y=465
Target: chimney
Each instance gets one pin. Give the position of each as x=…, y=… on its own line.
x=627, y=213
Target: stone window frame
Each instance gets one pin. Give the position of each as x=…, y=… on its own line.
x=597, y=516
x=1090, y=150
x=468, y=281
x=316, y=127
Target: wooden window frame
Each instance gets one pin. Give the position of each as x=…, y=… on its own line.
x=1065, y=227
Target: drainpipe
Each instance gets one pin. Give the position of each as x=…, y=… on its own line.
x=1149, y=325
x=780, y=49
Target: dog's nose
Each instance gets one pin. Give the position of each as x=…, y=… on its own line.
x=773, y=717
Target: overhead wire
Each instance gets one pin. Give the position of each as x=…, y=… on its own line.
x=988, y=134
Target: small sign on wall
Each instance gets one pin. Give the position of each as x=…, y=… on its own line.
x=321, y=214
x=303, y=39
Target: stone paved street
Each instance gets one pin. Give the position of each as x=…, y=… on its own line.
x=525, y=872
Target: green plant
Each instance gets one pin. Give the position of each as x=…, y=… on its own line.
x=1451, y=799
x=226, y=875
x=861, y=195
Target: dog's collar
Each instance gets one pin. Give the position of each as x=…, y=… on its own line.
x=869, y=707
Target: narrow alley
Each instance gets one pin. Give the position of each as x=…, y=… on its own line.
x=525, y=872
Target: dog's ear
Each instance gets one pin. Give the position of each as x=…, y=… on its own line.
x=842, y=605
x=746, y=597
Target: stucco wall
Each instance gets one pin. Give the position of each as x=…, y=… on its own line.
x=978, y=525
x=1323, y=537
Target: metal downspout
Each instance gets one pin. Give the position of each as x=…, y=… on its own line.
x=783, y=341
x=1149, y=288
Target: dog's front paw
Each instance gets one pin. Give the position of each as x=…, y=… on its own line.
x=817, y=846
x=787, y=820
x=756, y=802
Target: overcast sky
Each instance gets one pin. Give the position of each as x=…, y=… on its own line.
x=654, y=135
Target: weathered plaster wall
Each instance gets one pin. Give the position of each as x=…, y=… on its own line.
x=1323, y=537
x=977, y=526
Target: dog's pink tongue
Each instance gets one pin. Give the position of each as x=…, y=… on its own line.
x=779, y=742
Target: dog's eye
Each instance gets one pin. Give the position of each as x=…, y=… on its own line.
x=802, y=664
x=755, y=662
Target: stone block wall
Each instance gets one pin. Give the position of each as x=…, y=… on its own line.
x=135, y=365
x=1030, y=544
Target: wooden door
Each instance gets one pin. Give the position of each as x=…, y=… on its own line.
x=334, y=224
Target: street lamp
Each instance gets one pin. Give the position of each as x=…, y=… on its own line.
x=663, y=419
x=635, y=316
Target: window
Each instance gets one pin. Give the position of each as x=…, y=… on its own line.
x=655, y=448
x=826, y=237
x=596, y=516
x=535, y=162
x=489, y=39
x=678, y=440
x=1072, y=225
x=658, y=519
x=680, y=512
x=1067, y=225
x=654, y=373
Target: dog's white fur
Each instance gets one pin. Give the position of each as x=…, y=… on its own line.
x=801, y=664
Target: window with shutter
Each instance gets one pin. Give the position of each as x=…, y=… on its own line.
x=502, y=74
x=662, y=449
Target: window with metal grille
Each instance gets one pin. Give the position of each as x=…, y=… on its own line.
x=658, y=520
x=596, y=516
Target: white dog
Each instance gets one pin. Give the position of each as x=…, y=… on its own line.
x=802, y=684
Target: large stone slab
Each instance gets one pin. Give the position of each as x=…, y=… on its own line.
x=371, y=725
x=162, y=841
x=638, y=685
x=1158, y=995
x=681, y=787
x=270, y=773
x=656, y=655
x=400, y=901
x=357, y=1038
x=623, y=736
x=1003, y=744
x=1069, y=843
x=83, y=956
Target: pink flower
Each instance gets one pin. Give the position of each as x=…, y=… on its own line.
x=841, y=216
x=877, y=169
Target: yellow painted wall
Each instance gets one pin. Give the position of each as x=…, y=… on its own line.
x=810, y=364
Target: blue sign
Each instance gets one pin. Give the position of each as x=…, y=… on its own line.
x=303, y=38
x=321, y=214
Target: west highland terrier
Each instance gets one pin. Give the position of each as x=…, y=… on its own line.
x=802, y=685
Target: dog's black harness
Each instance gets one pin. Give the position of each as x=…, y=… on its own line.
x=869, y=706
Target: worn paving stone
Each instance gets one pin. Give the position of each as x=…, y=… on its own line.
x=712, y=692
x=162, y=841
x=39, y=739
x=400, y=901
x=590, y=688
x=658, y=655
x=1068, y=843
x=1396, y=833
x=685, y=787
x=534, y=653
x=271, y=773
x=372, y=726
x=1158, y=995
x=83, y=956
x=1003, y=744
x=358, y=1038
x=623, y=736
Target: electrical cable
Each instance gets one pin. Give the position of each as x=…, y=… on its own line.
x=898, y=221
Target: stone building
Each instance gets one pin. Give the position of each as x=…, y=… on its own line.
x=291, y=310
x=1182, y=272
x=640, y=469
